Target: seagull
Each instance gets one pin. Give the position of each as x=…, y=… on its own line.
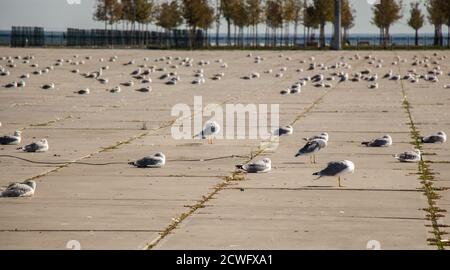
x=386, y=140
x=285, y=91
x=103, y=80
x=11, y=140
x=84, y=91
x=343, y=77
x=158, y=160
x=288, y=130
x=261, y=166
x=129, y=83
x=25, y=189
x=48, y=86
x=311, y=148
x=11, y=85
x=410, y=156
x=38, y=147
x=116, y=89
x=388, y=75
x=146, y=89
x=136, y=72
x=439, y=137
x=199, y=80
x=210, y=130
x=337, y=168
x=373, y=86
x=323, y=136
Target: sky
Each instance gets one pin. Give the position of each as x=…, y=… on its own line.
x=58, y=15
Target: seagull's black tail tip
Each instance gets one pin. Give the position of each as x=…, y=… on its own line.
x=239, y=167
x=316, y=173
x=365, y=143
x=131, y=163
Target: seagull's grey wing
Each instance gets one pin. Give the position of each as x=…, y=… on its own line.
x=148, y=162
x=408, y=156
x=281, y=131
x=16, y=190
x=378, y=142
x=432, y=139
x=255, y=167
x=311, y=147
x=333, y=168
x=4, y=140
x=32, y=147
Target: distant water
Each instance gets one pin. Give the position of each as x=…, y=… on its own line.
x=58, y=38
x=353, y=39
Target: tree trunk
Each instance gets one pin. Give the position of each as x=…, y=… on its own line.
x=295, y=33
x=417, y=37
x=387, y=37
x=436, y=35
x=448, y=35
x=235, y=35
x=345, y=36
x=322, y=35
x=229, y=32
x=256, y=36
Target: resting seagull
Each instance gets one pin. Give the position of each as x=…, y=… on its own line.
x=311, y=148
x=288, y=130
x=84, y=91
x=210, y=130
x=25, y=189
x=337, y=169
x=261, y=166
x=11, y=140
x=410, y=156
x=439, y=137
x=158, y=160
x=48, y=86
x=38, y=147
x=386, y=140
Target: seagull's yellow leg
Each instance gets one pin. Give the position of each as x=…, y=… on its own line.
x=314, y=159
x=339, y=181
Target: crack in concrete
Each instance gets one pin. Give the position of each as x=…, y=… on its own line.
x=426, y=175
x=235, y=176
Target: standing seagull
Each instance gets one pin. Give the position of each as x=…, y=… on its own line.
x=11, y=140
x=337, y=169
x=410, y=156
x=311, y=148
x=261, y=166
x=158, y=160
x=38, y=147
x=439, y=137
x=210, y=130
x=386, y=140
x=25, y=189
x=288, y=130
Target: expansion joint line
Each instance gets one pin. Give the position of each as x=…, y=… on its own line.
x=427, y=177
x=235, y=176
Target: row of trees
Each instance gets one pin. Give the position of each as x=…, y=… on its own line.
x=241, y=15
x=277, y=15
